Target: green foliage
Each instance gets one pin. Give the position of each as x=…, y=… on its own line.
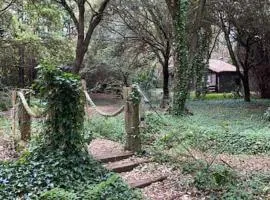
x=215, y=177
x=39, y=171
x=56, y=166
x=65, y=108
x=225, y=126
x=224, y=183
x=183, y=67
x=106, y=190
x=146, y=79
x=110, y=128
x=215, y=96
x=57, y=193
x=135, y=95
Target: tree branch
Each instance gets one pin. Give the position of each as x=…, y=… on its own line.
x=70, y=12
x=5, y=8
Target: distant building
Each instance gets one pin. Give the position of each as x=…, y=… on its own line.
x=222, y=76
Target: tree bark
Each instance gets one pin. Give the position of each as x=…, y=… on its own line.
x=245, y=81
x=165, y=69
x=132, y=122
x=24, y=121
x=83, y=39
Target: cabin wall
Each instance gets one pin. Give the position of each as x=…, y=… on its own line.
x=227, y=81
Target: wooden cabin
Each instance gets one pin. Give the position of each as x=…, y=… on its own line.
x=222, y=76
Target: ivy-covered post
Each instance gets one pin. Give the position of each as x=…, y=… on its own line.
x=24, y=120
x=65, y=109
x=132, y=118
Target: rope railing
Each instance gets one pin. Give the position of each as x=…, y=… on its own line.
x=91, y=102
x=27, y=107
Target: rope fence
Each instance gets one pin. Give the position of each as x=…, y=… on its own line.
x=134, y=113
x=27, y=107
x=91, y=102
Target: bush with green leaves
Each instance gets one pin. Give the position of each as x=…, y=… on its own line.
x=56, y=164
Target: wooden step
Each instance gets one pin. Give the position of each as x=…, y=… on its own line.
x=146, y=182
x=115, y=157
x=125, y=165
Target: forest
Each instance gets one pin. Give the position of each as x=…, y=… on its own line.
x=134, y=99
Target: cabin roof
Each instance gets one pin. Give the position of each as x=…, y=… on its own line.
x=220, y=66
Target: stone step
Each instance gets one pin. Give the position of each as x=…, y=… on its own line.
x=125, y=165
x=113, y=158
x=145, y=182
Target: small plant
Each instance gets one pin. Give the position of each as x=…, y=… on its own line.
x=266, y=114
x=215, y=177
x=57, y=193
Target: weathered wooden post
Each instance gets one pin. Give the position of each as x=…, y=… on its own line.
x=13, y=100
x=132, y=119
x=24, y=119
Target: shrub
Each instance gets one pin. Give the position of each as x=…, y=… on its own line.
x=107, y=189
x=216, y=177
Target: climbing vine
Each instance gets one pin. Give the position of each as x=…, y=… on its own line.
x=135, y=95
x=201, y=62
x=65, y=108
x=182, y=69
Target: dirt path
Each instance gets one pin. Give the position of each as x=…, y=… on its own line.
x=168, y=189
x=242, y=163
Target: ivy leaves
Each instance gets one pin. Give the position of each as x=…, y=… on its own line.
x=64, y=97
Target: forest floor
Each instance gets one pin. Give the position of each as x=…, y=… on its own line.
x=252, y=157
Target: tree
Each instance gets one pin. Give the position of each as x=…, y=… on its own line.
x=80, y=22
x=242, y=23
x=150, y=24
x=186, y=39
x=32, y=32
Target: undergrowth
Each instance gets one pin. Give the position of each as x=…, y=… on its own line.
x=218, y=126
x=57, y=164
x=222, y=182
x=42, y=173
x=109, y=128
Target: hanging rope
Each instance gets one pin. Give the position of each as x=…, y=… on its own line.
x=88, y=98
x=27, y=107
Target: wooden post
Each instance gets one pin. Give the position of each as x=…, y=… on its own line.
x=24, y=120
x=13, y=100
x=132, y=122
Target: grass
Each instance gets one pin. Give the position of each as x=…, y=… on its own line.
x=230, y=126
x=4, y=126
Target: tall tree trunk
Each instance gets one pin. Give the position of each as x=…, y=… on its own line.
x=166, y=94
x=245, y=81
x=185, y=50
x=84, y=37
